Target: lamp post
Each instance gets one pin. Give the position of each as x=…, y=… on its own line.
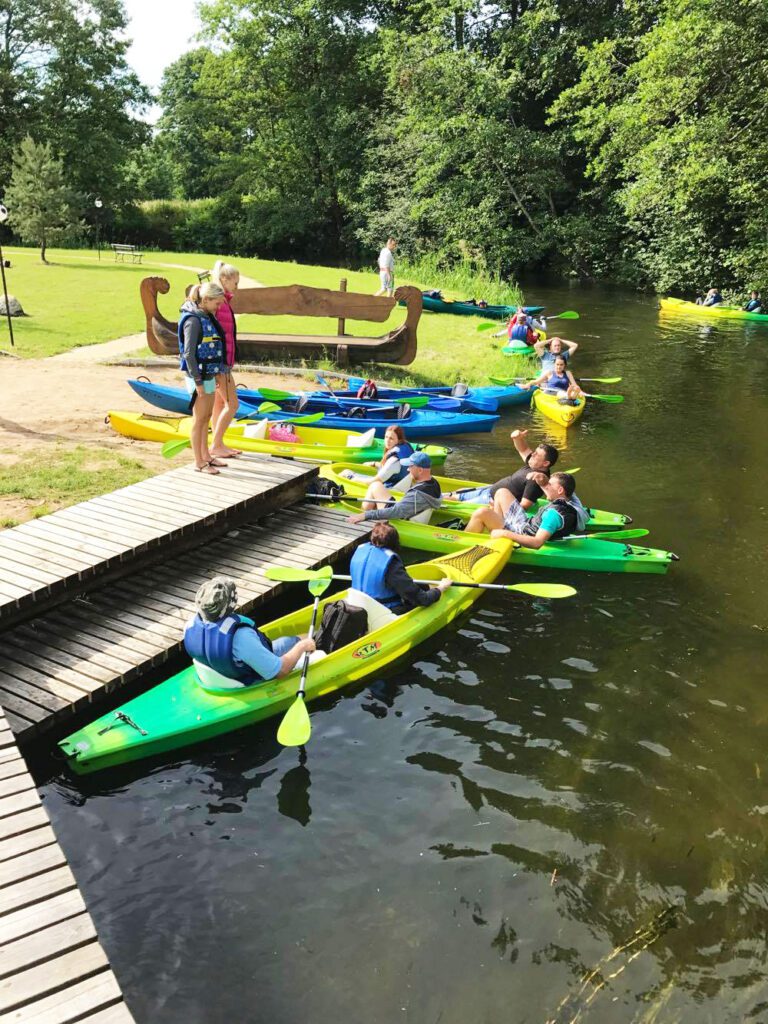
x=3, y=219
x=98, y=204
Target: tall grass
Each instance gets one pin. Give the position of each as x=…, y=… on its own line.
x=462, y=281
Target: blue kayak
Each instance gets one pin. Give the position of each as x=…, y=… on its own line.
x=417, y=423
x=320, y=401
x=502, y=396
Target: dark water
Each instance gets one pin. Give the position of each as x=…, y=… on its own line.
x=556, y=813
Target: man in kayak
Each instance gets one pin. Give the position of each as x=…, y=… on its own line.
x=548, y=349
x=713, y=298
x=755, y=304
x=387, y=268
x=378, y=571
x=227, y=649
x=420, y=499
x=562, y=515
x=521, y=486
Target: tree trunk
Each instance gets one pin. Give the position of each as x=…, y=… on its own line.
x=458, y=22
x=43, y=245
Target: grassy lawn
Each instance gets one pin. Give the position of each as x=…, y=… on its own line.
x=81, y=301
x=31, y=486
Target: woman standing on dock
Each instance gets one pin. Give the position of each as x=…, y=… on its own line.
x=201, y=349
x=225, y=400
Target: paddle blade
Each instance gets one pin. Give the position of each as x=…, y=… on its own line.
x=611, y=399
x=273, y=395
x=569, y=314
x=295, y=728
x=602, y=380
x=287, y=574
x=550, y=590
x=416, y=402
x=266, y=407
x=312, y=418
x=173, y=447
x=619, y=534
x=486, y=327
x=320, y=584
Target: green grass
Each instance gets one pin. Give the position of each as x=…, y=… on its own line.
x=66, y=476
x=80, y=301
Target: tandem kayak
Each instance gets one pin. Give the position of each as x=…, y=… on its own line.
x=598, y=519
x=584, y=554
x=179, y=712
x=720, y=312
x=313, y=444
x=325, y=401
x=459, y=308
x=502, y=395
x=417, y=423
x=554, y=408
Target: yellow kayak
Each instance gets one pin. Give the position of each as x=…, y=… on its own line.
x=720, y=312
x=314, y=444
x=554, y=408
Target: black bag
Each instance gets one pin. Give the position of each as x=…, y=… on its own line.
x=322, y=488
x=342, y=624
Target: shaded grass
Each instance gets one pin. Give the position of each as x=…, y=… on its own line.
x=79, y=301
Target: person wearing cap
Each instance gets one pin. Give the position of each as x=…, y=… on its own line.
x=423, y=495
x=227, y=649
x=378, y=571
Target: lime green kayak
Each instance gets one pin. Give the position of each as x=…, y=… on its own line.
x=720, y=312
x=598, y=519
x=588, y=554
x=179, y=712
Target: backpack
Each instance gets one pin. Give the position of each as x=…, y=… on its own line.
x=368, y=390
x=342, y=624
x=322, y=488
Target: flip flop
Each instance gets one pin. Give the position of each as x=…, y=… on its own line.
x=207, y=468
x=216, y=462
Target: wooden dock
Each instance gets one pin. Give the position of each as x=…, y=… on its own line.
x=52, y=967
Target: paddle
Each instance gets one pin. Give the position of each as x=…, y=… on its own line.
x=506, y=381
x=569, y=314
x=607, y=535
x=602, y=380
x=611, y=399
x=296, y=728
x=551, y=590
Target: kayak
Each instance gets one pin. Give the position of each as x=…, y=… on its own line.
x=588, y=554
x=417, y=423
x=323, y=401
x=314, y=444
x=503, y=396
x=472, y=309
x=598, y=519
x=561, y=412
x=721, y=312
x=179, y=712
x=515, y=347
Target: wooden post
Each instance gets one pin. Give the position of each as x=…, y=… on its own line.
x=342, y=321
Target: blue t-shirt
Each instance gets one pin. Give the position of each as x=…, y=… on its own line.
x=548, y=359
x=247, y=647
x=552, y=521
x=753, y=305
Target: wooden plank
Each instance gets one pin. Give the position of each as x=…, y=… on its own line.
x=15, y=784
x=102, y=650
x=106, y=630
x=35, y=839
x=44, y=945
x=19, y=823
x=16, y=766
x=71, y=1003
x=303, y=300
x=32, y=711
x=72, y=539
x=12, y=671
x=43, y=551
x=63, y=970
x=55, y=662
x=14, y=805
x=32, y=918
x=122, y=532
x=36, y=889
x=35, y=862
x=117, y=1014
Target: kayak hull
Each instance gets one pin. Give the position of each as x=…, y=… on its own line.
x=419, y=423
x=503, y=395
x=179, y=712
x=468, y=309
x=315, y=444
x=721, y=312
x=599, y=519
x=550, y=406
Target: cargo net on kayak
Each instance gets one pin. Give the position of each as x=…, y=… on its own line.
x=465, y=561
x=172, y=421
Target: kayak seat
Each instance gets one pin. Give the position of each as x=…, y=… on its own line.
x=378, y=615
x=257, y=430
x=459, y=390
x=403, y=411
x=423, y=517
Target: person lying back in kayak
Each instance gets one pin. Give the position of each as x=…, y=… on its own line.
x=227, y=649
x=549, y=349
x=713, y=298
x=562, y=515
x=755, y=304
x=559, y=378
x=421, y=498
x=520, y=485
x=378, y=571
x=394, y=463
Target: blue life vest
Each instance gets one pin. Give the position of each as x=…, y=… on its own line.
x=520, y=333
x=753, y=305
x=368, y=568
x=210, y=349
x=559, y=381
x=211, y=644
x=402, y=452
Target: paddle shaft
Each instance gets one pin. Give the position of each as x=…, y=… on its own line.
x=455, y=583
x=305, y=663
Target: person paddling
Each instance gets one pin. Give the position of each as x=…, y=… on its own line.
x=227, y=649
x=562, y=515
x=393, y=466
x=559, y=378
x=378, y=571
x=201, y=352
x=421, y=498
x=549, y=349
x=755, y=304
x=520, y=485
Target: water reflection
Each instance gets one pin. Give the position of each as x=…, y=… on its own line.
x=293, y=795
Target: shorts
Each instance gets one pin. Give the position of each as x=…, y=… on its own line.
x=283, y=644
x=225, y=370
x=387, y=279
x=516, y=519
x=209, y=385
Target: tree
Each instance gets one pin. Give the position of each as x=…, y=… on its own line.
x=42, y=205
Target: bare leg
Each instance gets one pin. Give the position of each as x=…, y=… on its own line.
x=226, y=397
x=201, y=416
x=502, y=501
x=484, y=519
x=376, y=493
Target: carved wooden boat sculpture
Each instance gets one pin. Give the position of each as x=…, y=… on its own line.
x=397, y=346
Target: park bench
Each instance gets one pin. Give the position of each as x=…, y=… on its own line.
x=122, y=251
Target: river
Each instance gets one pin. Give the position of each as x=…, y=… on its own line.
x=556, y=813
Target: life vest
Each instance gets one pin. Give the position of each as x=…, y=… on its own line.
x=368, y=390
x=210, y=349
x=566, y=510
x=368, y=569
x=559, y=381
x=211, y=644
x=401, y=452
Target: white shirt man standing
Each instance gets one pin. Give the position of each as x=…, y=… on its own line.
x=387, y=268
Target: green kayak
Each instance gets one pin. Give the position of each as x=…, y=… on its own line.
x=587, y=554
x=434, y=305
